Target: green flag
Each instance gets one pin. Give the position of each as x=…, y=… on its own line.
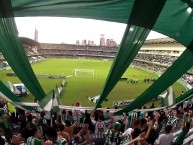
x=46, y=102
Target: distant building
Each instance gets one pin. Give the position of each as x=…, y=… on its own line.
x=36, y=35
x=102, y=40
x=90, y=43
x=84, y=42
x=77, y=42
x=111, y=43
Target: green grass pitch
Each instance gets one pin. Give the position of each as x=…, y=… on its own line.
x=80, y=88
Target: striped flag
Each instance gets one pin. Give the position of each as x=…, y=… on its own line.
x=57, y=93
x=170, y=98
x=47, y=101
x=55, y=104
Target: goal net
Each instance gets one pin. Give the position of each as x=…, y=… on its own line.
x=84, y=73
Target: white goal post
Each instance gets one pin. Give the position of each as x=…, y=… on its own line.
x=84, y=73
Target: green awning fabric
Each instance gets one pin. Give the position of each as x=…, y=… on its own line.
x=174, y=21
x=6, y=9
x=144, y=13
x=13, y=51
x=12, y=96
x=172, y=74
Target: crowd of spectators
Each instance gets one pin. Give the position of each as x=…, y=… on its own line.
x=149, y=66
x=96, y=51
x=75, y=47
x=160, y=59
x=88, y=53
x=93, y=51
x=96, y=127
x=188, y=78
x=31, y=50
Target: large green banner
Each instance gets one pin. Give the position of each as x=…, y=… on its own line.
x=13, y=51
x=143, y=16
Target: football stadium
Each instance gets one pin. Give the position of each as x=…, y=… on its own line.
x=137, y=92
x=57, y=63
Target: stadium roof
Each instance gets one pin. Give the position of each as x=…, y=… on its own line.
x=29, y=41
x=173, y=18
x=161, y=41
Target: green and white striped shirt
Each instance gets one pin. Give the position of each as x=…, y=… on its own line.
x=100, y=128
x=33, y=141
x=131, y=117
x=113, y=138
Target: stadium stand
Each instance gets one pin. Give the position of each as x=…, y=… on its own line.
x=31, y=49
x=155, y=55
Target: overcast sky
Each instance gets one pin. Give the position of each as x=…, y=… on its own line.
x=68, y=30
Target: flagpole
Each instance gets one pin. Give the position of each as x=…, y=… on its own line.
x=52, y=109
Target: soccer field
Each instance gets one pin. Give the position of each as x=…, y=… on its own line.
x=80, y=88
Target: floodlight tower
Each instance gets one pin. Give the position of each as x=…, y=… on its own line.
x=36, y=35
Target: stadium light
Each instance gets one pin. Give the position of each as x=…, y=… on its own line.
x=189, y=10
